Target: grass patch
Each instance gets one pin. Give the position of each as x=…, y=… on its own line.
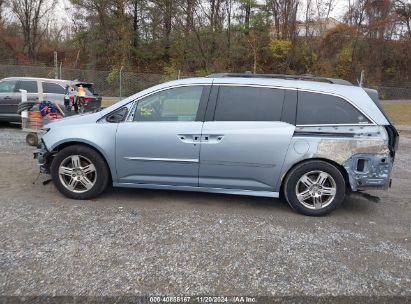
x=400, y=112
x=108, y=101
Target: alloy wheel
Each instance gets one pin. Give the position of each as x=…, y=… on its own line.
x=77, y=173
x=316, y=189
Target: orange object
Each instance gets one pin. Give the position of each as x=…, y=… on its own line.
x=35, y=119
x=35, y=114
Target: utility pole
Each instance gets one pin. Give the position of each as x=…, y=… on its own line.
x=61, y=74
x=56, y=71
x=361, y=78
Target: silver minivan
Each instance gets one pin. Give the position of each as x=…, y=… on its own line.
x=308, y=139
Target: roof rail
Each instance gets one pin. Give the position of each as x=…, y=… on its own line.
x=283, y=76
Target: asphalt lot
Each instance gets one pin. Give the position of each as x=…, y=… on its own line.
x=149, y=242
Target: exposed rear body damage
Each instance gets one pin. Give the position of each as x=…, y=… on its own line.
x=363, y=151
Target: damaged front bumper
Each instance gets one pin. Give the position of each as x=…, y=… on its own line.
x=43, y=156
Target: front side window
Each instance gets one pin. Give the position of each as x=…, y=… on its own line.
x=177, y=104
x=315, y=109
x=54, y=88
x=7, y=86
x=249, y=104
x=29, y=86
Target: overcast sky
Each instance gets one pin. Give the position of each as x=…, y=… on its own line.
x=339, y=8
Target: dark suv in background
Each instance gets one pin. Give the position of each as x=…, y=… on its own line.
x=42, y=89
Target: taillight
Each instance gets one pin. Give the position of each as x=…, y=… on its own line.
x=87, y=99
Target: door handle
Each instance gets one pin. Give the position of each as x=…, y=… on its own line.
x=7, y=97
x=212, y=138
x=189, y=138
x=197, y=138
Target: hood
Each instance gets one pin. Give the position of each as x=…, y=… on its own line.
x=75, y=120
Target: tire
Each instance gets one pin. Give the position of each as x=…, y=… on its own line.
x=32, y=139
x=314, y=188
x=79, y=172
x=25, y=106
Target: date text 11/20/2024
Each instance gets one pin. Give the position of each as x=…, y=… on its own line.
x=202, y=299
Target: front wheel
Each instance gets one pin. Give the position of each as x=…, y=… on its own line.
x=314, y=188
x=79, y=172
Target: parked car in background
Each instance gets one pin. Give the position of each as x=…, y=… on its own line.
x=259, y=135
x=40, y=88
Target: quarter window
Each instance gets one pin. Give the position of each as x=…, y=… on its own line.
x=314, y=109
x=177, y=104
x=118, y=115
x=7, y=86
x=29, y=86
x=49, y=87
x=249, y=104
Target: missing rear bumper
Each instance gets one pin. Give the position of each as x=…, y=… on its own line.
x=369, y=171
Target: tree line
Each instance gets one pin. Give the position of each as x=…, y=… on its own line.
x=204, y=36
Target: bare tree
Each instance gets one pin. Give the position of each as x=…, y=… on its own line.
x=356, y=13
x=403, y=10
x=247, y=5
x=30, y=14
x=137, y=7
x=284, y=13
x=308, y=12
x=168, y=12
x=229, y=8
x=378, y=13
x=324, y=8
x=2, y=5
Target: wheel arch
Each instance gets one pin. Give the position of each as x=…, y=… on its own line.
x=61, y=146
x=335, y=164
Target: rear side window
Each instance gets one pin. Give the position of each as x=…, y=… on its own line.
x=29, y=86
x=249, y=104
x=49, y=87
x=315, y=109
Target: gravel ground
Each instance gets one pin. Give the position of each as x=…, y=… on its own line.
x=146, y=242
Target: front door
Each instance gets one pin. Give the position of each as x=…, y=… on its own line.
x=9, y=98
x=160, y=142
x=243, y=147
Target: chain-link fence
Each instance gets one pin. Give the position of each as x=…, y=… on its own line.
x=107, y=83
x=390, y=93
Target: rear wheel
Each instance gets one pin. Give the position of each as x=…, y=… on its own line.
x=314, y=188
x=79, y=172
